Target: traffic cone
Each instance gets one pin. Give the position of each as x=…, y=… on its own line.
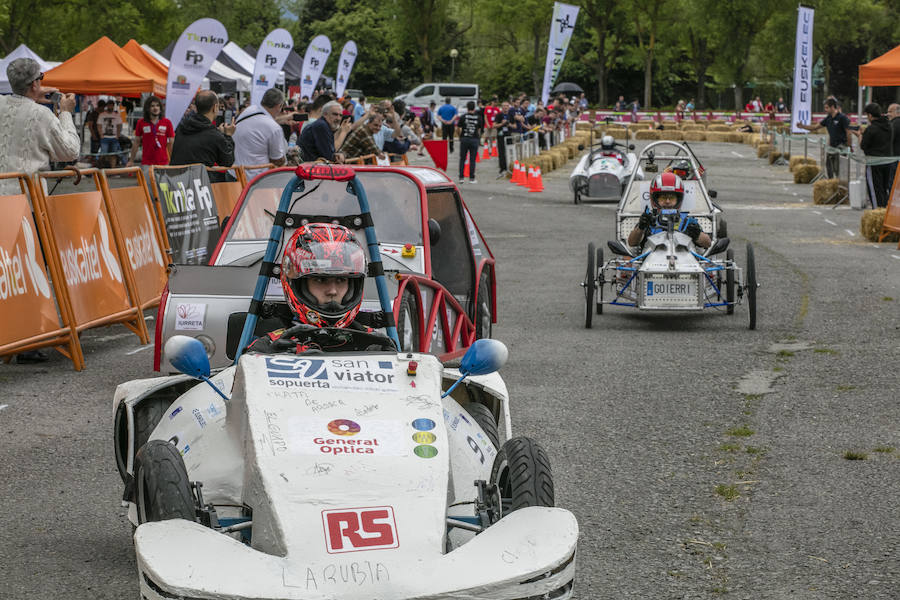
x=529, y=179
x=515, y=173
x=538, y=185
x=466, y=171
x=523, y=176
x=487, y=151
x=477, y=157
x=494, y=149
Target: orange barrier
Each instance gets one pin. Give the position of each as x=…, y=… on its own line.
x=28, y=312
x=138, y=236
x=95, y=286
x=892, y=215
x=226, y=193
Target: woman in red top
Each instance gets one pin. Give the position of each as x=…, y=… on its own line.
x=154, y=133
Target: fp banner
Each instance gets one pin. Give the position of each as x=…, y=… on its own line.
x=801, y=105
x=564, y=16
x=194, y=52
x=313, y=64
x=270, y=57
x=345, y=65
x=189, y=212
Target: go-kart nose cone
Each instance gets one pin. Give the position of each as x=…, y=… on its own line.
x=188, y=356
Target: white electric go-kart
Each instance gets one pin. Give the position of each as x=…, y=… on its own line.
x=365, y=473
x=603, y=172
x=669, y=273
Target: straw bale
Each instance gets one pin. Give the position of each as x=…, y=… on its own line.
x=643, y=125
x=763, y=150
x=672, y=135
x=725, y=128
x=559, y=157
x=736, y=137
x=824, y=190
x=692, y=127
x=717, y=136
x=805, y=173
x=747, y=138
x=646, y=134
x=715, y=122
x=583, y=125
x=694, y=136
x=870, y=225
x=773, y=156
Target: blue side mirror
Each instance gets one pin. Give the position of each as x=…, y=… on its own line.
x=483, y=357
x=188, y=356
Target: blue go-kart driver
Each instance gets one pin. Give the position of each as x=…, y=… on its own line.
x=667, y=193
x=322, y=275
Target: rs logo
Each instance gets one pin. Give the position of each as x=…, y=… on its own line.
x=354, y=529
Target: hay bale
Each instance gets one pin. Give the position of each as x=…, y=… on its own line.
x=559, y=157
x=643, y=125
x=870, y=226
x=773, y=156
x=583, y=125
x=720, y=128
x=717, y=136
x=694, y=136
x=805, y=173
x=646, y=134
x=736, y=137
x=673, y=135
x=692, y=127
x=799, y=161
x=824, y=190
x=763, y=150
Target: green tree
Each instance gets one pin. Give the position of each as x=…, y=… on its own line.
x=608, y=24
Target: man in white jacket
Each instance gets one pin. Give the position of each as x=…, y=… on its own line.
x=31, y=135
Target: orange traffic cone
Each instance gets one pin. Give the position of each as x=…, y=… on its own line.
x=529, y=179
x=477, y=157
x=487, y=151
x=515, y=173
x=538, y=184
x=523, y=176
x=494, y=149
x=466, y=171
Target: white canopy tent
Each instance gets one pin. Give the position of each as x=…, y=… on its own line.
x=22, y=51
x=247, y=62
x=242, y=82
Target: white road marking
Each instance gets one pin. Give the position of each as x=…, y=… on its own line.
x=850, y=233
x=817, y=212
x=795, y=193
x=2, y=406
x=831, y=222
x=895, y=256
x=139, y=349
x=736, y=154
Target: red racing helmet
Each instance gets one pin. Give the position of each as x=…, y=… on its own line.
x=323, y=250
x=666, y=183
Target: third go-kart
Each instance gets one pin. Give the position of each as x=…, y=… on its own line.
x=363, y=473
x=669, y=273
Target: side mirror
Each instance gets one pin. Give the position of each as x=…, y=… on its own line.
x=713, y=194
x=718, y=246
x=434, y=232
x=483, y=357
x=618, y=247
x=631, y=146
x=188, y=356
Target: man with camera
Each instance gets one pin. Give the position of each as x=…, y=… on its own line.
x=34, y=134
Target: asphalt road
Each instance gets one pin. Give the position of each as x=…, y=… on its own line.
x=703, y=460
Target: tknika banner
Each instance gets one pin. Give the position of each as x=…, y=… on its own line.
x=193, y=55
x=313, y=64
x=561, y=29
x=189, y=213
x=801, y=104
x=270, y=58
x=345, y=65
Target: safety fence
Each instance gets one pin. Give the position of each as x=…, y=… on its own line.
x=519, y=147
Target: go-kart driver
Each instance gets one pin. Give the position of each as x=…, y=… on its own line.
x=683, y=169
x=322, y=275
x=667, y=192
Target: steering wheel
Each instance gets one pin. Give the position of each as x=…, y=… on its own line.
x=332, y=339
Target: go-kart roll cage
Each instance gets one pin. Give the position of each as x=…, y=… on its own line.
x=649, y=156
x=268, y=269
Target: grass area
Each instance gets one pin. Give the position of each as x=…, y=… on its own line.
x=888, y=299
x=825, y=351
x=755, y=450
x=728, y=492
x=785, y=354
x=742, y=431
x=883, y=449
x=854, y=455
x=730, y=447
x=845, y=388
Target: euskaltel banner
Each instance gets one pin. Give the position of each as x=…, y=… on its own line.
x=193, y=55
x=270, y=58
x=189, y=213
x=27, y=307
x=561, y=29
x=345, y=66
x=801, y=102
x=313, y=64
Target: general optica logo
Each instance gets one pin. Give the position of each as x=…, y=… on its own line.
x=343, y=427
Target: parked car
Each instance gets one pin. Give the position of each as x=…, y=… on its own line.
x=425, y=94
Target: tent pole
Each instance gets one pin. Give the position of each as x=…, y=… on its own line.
x=859, y=105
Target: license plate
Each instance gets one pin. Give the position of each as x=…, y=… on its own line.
x=669, y=291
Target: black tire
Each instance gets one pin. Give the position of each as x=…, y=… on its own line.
x=729, y=281
x=722, y=229
x=408, y=323
x=599, y=266
x=147, y=416
x=162, y=488
x=751, y=285
x=483, y=315
x=577, y=198
x=589, y=276
x=485, y=419
x=522, y=473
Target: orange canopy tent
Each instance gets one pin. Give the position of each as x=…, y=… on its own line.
x=104, y=68
x=882, y=71
x=146, y=59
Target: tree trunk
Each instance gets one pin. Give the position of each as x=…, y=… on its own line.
x=700, y=103
x=648, y=79
x=738, y=97
x=600, y=70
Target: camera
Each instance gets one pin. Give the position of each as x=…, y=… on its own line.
x=300, y=117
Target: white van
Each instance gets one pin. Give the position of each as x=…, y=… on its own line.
x=423, y=95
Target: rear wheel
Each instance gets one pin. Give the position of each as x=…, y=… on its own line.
x=483, y=315
x=597, y=268
x=577, y=198
x=589, y=276
x=408, y=323
x=522, y=473
x=751, y=285
x=485, y=419
x=163, y=490
x=729, y=280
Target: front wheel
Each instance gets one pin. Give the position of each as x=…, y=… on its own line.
x=589, y=285
x=485, y=419
x=751, y=285
x=483, y=314
x=163, y=489
x=522, y=473
x=729, y=281
x=599, y=279
x=408, y=323
x=577, y=198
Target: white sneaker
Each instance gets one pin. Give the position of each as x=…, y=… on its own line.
x=461, y=181
x=473, y=181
